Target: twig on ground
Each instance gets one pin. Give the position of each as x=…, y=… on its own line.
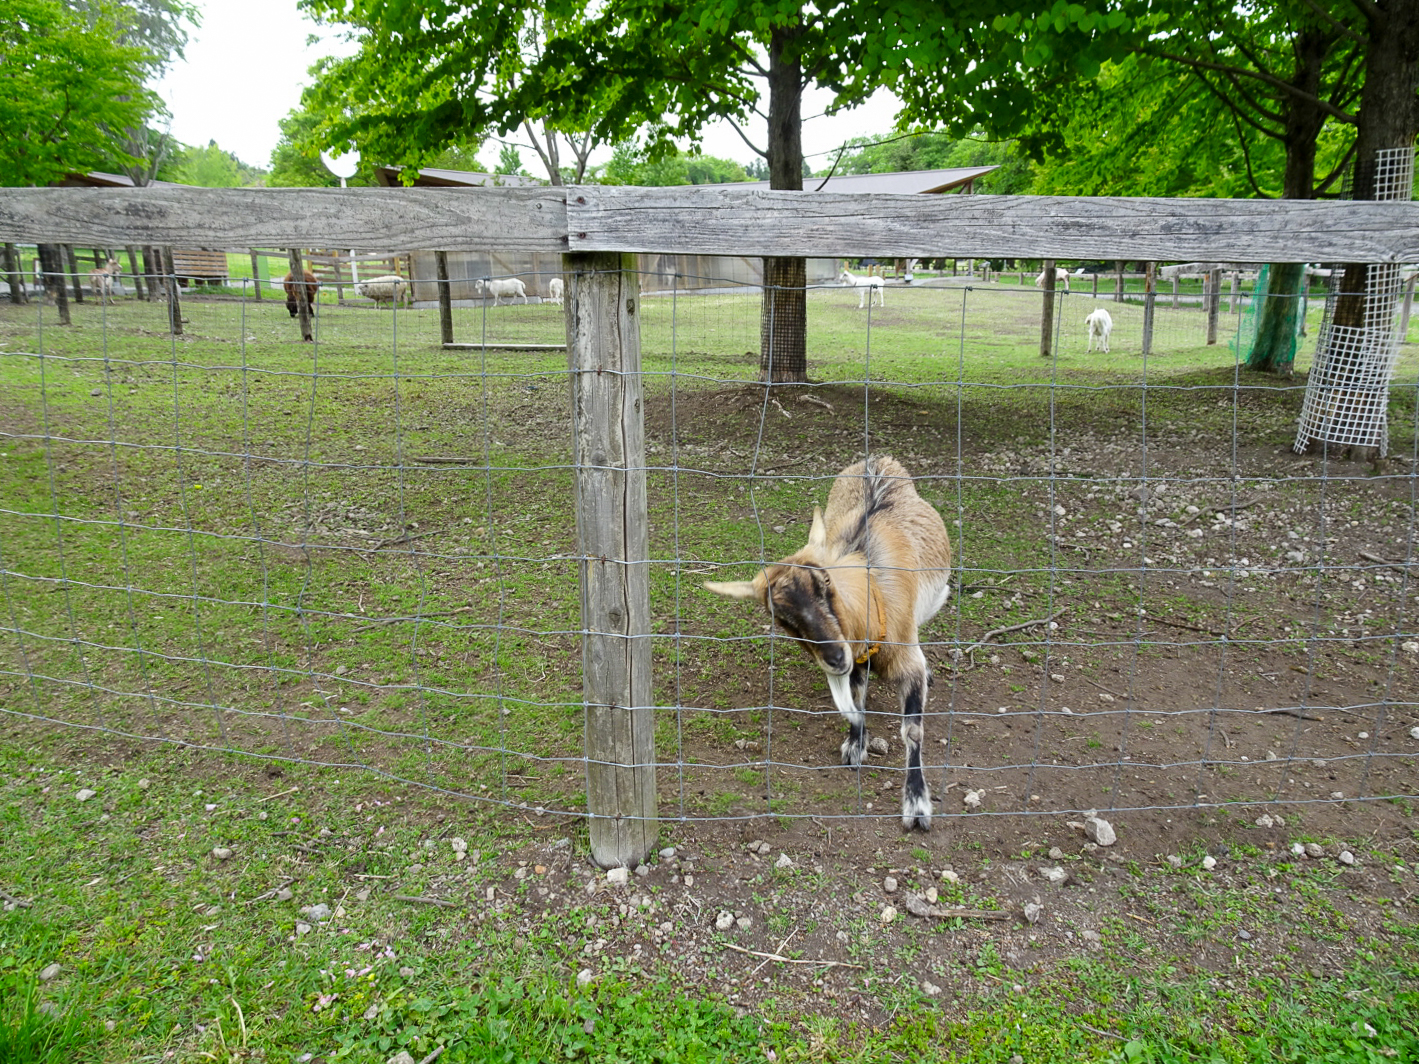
x=815, y=401
x=789, y=960
x=1101, y=687
x=437, y=459
x=985, y=639
x=421, y=900
x=1105, y=1034
x=1399, y=567
x=433, y=1056
x=15, y=901
x=278, y=794
x=1289, y=713
x=781, y=410
x=1188, y=627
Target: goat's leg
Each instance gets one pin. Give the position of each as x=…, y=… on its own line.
x=916, y=795
x=853, y=707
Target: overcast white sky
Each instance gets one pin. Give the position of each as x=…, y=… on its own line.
x=247, y=63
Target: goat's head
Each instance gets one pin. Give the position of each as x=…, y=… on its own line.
x=798, y=593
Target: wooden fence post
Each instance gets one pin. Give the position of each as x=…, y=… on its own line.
x=445, y=298
x=1212, y=297
x=1095, y=275
x=1150, y=298
x=256, y=272
x=603, y=345
x=174, y=294
x=134, y=272
x=71, y=265
x=306, y=302
x=1047, y=310
x=1236, y=287
x=1118, y=281
x=1175, y=292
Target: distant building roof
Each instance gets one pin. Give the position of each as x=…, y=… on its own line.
x=906, y=182
x=97, y=179
x=389, y=176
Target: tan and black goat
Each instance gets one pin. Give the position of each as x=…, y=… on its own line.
x=877, y=566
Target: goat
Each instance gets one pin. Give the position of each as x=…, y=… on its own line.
x=390, y=289
x=1061, y=277
x=502, y=286
x=871, y=286
x=877, y=566
x=1099, y=324
x=101, y=280
x=300, y=292
x=556, y=289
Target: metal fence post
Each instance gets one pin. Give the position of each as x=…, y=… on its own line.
x=1047, y=310
x=608, y=425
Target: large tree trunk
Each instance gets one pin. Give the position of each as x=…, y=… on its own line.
x=1345, y=386
x=51, y=262
x=783, y=317
x=1274, y=347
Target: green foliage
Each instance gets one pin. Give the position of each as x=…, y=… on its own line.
x=295, y=161
x=510, y=160
x=211, y=167
x=630, y=165
x=67, y=85
x=35, y=1030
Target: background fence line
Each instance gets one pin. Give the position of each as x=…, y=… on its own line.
x=758, y=452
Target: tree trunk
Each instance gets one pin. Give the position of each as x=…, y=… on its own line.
x=305, y=298
x=1278, y=310
x=151, y=270
x=174, y=298
x=445, y=298
x=1345, y=386
x=12, y=274
x=71, y=264
x=51, y=260
x=134, y=272
x=783, y=316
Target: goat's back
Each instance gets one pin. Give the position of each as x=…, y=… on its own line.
x=874, y=506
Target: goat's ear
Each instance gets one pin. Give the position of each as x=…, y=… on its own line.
x=818, y=534
x=740, y=589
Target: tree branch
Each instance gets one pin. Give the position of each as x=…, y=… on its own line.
x=1340, y=168
x=1270, y=79
x=1342, y=27
x=752, y=146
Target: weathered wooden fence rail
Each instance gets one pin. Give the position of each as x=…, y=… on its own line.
x=593, y=227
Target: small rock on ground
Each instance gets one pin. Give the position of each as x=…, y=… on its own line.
x=877, y=745
x=618, y=877
x=49, y=971
x=1100, y=831
x=85, y=795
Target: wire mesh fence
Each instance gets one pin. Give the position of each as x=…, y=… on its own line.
x=363, y=551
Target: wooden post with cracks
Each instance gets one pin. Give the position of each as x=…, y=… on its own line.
x=1150, y=299
x=608, y=425
x=1047, y=309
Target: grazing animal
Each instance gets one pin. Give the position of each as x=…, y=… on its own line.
x=101, y=280
x=1061, y=277
x=1099, y=323
x=390, y=289
x=870, y=286
x=556, y=288
x=877, y=566
x=503, y=286
x=298, y=292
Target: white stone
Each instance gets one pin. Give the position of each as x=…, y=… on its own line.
x=50, y=971
x=744, y=922
x=949, y=876
x=1346, y=857
x=929, y=988
x=618, y=877
x=724, y=921
x=1410, y=647
x=85, y=795
x=1174, y=861
x=459, y=845
x=1264, y=821
x=143, y=785
x=1100, y=831
x=784, y=861
x=221, y=853
x=889, y=885
x=888, y=914
x=583, y=977
x=1055, y=875
x=972, y=799
x=1209, y=862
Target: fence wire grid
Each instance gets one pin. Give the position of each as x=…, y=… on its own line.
x=361, y=552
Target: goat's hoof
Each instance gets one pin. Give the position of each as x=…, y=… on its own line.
x=854, y=754
x=916, y=811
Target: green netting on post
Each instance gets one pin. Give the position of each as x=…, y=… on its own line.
x=1268, y=332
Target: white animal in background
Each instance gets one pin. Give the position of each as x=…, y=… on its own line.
x=1100, y=324
x=101, y=280
x=503, y=286
x=1061, y=277
x=388, y=289
x=555, y=289
x=870, y=286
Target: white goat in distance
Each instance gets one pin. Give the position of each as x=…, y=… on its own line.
x=870, y=285
x=556, y=288
x=502, y=286
x=1099, y=323
x=877, y=567
x=1061, y=277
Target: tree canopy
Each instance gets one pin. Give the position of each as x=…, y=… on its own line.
x=69, y=86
